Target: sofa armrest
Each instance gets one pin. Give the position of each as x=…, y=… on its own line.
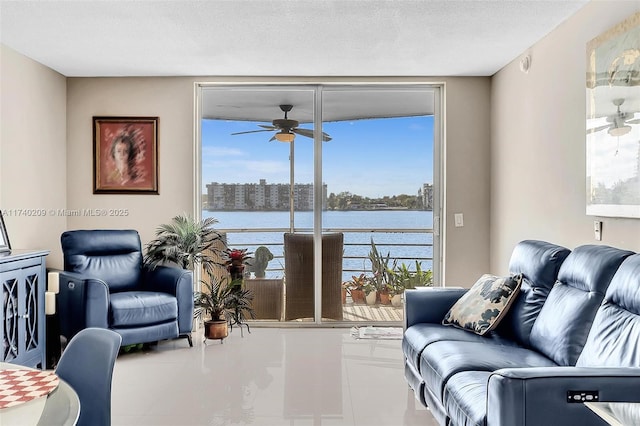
x=430, y=304
x=82, y=302
x=541, y=396
x=177, y=282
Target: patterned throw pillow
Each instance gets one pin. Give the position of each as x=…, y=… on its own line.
x=485, y=304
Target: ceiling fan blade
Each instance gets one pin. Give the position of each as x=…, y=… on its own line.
x=252, y=131
x=303, y=132
x=597, y=129
x=268, y=126
x=273, y=138
x=635, y=121
x=309, y=133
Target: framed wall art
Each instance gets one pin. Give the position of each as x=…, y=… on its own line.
x=613, y=121
x=5, y=246
x=125, y=155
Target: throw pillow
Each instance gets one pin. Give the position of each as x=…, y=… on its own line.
x=485, y=304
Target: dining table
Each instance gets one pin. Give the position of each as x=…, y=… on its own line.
x=61, y=407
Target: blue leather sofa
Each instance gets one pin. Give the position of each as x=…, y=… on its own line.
x=106, y=285
x=573, y=333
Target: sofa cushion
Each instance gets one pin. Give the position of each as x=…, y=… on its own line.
x=136, y=308
x=539, y=263
x=561, y=329
x=465, y=398
x=485, y=304
x=614, y=338
x=418, y=336
x=441, y=360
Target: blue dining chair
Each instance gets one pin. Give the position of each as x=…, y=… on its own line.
x=87, y=366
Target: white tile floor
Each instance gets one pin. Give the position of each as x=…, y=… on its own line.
x=271, y=377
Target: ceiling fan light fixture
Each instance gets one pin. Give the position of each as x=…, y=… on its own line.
x=619, y=131
x=285, y=136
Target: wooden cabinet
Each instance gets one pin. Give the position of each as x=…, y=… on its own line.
x=22, y=318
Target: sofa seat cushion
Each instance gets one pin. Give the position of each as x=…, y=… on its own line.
x=465, y=398
x=136, y=308
x=418, y=336
x=441, y=360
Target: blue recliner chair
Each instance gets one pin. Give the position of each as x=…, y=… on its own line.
x=106, y=285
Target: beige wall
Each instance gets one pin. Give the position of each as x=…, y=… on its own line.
x=538, y=158
x=171, y=99
x=33, y=165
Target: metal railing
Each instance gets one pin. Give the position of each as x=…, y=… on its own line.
x=404, y=245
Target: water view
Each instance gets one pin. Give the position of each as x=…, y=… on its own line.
x=393, y=231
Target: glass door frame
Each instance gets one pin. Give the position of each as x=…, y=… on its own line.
x=318, y=87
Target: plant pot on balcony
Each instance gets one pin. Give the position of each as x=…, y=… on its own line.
x=385, y=299
x=357, y=296
x=396, y=300
x=371, y=297
x=216, y=329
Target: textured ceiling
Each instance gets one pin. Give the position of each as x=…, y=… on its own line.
x=278, y=37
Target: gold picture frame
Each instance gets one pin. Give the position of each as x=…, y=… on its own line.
x=613, y=121
x=125, y=155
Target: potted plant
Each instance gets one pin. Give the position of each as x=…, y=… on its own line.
x=356, y=288
x=214, y=305
x=382, y=272
x=371, y=291
x=186, y=242
x=235, y=261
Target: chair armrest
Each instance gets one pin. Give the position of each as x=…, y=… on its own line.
x=429, y=305
x=82, y=302
x=177, y=282
x=540, y=396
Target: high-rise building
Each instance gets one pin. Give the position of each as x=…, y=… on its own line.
x=261, y=196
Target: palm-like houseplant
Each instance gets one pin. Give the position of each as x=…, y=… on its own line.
x=187, y=242
x=214, y=305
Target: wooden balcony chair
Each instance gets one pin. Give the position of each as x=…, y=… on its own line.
x=299, y=294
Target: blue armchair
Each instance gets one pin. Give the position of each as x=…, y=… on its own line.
x=106, y=285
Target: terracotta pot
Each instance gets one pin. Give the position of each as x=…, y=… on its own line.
x=371, y=297
x=216, y=329
x=385, y=299
x=344, y=296
x=357, y=296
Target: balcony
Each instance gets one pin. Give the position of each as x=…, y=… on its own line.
x=403, y=245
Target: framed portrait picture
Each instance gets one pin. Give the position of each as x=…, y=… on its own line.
x=613, y=121
x=125, y=155
x=5, y=246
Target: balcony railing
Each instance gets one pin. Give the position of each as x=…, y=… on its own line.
x=403, y=246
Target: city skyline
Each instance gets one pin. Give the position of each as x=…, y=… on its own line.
x=373, y=158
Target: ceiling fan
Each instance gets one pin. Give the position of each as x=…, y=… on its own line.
x=619, y=121
x=286, y=128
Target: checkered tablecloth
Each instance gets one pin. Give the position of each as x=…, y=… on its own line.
x=20, y=386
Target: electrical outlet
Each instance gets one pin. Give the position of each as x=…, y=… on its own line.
x=458, y=220
x=597, y=230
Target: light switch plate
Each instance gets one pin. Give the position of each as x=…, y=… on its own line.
x=458, y=220
x=597, y=230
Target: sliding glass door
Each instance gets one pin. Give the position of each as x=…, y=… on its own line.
x=330, y=187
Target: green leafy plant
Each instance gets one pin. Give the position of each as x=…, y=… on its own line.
x=381, y=267
x=186, y=242
x=216, y=302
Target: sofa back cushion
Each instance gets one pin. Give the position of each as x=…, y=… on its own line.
x=114, y=256
x=538, y=262
x=614, y=338
x=561, y=329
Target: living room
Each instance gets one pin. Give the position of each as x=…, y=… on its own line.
x=515, y=165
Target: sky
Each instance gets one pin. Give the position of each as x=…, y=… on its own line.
x=372, y=158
